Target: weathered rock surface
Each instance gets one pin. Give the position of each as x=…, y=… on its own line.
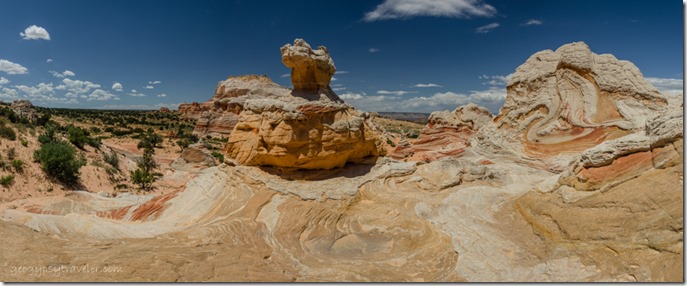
x=311, y=70
x=196, y=155
x=446, y=134
x=608, y=210
x=24, y=109
x=311, y=129
x=562, y=102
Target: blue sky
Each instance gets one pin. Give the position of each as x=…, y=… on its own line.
x=392, y=55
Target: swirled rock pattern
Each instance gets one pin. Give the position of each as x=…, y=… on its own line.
x=446, y=134
x=569, y=100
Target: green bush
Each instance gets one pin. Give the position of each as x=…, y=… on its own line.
x=7, y=133
x=11, y=153
x=59, y=160
x=7, y=180
x=219, y=156
x=18, y=165
x=50, y=134
x=112, y=159
x=24, y=142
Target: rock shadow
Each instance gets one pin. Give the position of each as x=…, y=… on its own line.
x=350, y=170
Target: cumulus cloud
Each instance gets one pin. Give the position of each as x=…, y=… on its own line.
x=162, y=95
x=351, y=96
x=48, y=61
x=136, y=94
x=100, y=95
x=171, y=106
x=77, y=86
x=532, y=22
x=496, y=80
x=672, y=86
x=427, y=85
x=155, y=82
x=396, y=92
x=405, y=9
x=4, y=80
x=35, y=33
x=148, y=87
x=66, y=73
x=373, y=50
x=117, y=86
x=486, y=28
x=8, y=93
x=12, y=68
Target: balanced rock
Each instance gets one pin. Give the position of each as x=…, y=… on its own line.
x=568, y=100
x=311, y=70
x=446, y=134
x=312, y=130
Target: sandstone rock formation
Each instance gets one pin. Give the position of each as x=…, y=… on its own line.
x=579, y=178
x=24, y=109
x=565, y=101
x=311, y=129
x=196, y=155
x=446, y=134
x=311, y=70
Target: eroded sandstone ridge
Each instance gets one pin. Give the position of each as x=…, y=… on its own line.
x=311, y=70
x=446, y=134
x=569, y=100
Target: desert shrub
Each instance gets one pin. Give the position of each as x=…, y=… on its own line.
x=112, y=159
x=7, y=180
x=18, y=165
x=80, y=137
x=95, y=130
x=43, y=119
x=7, y=132
x=219, y=156
x=11, y=153
x=144, y=175
x=149, y=139
x=183, y=143
x=50, y=134
x=24, y=142
x=60, y=161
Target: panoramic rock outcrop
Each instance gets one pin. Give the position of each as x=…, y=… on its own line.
x=446, y=134
x=563, y=102
x=24, y=109
x=579, y=178
x=309, y=129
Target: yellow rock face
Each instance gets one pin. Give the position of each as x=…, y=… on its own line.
x=319, y=138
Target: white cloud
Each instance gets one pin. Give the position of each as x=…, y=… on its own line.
x=44, y=91
x=117, y=86
x=373, y=50
x=341, y=72
x=8, y=93
x=136, y=94
x=171, y=106
x=338, y=88
x=334, y=79
x=427, y=85
x=35, y=33
x=672, y=86
x=486, y=28
x=286, y=75
x=4, y=80
x=155, y=82
x=100, y=95
x=134, y=91
x=12, y=68
x=351, y=96
x=48, y=61
x=397, y=92
x=496, y=80
x=148, y=87
x=66, y=73
x=162, y=95
x=404, y=9
x=77, y=86
x=532, y=22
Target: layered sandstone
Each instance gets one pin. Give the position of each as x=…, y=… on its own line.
x=446, y=134
x=310, y=128
x=565, y=101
